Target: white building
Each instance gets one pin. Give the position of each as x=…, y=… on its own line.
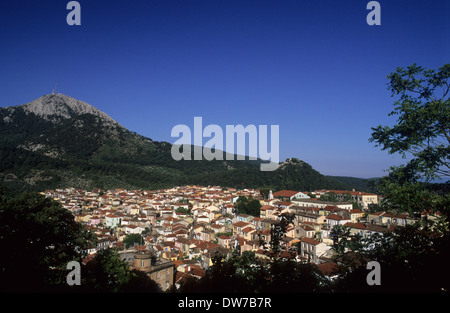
x=312, y=249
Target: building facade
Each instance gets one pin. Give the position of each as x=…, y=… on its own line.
x=160, y=271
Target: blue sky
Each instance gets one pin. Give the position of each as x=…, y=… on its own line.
x=315, y=68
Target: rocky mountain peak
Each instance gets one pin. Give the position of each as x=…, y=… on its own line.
x=62, y=106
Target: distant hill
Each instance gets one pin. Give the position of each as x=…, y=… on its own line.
x=57, y=141
x=359, y=184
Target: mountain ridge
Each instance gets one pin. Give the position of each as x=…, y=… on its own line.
x=60, y=105
x=59, y=141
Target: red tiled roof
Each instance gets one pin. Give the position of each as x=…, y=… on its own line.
x=241, y=224
x=307, y=227
x=178, y=263
x=285, y=193
x=335, y=217
x=328, y=268
x=355, y=225
x=310, y=241
x=248, y=229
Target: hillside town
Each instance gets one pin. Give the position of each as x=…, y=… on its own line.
x=184, y=228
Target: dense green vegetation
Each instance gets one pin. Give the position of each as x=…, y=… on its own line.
x=360, y=184
x=38, y=238
x=248, y=206
x=421, y=132
x=250, y=274
x=85, y=152
x=332, y=197
x=422, y=129
x=132, y=239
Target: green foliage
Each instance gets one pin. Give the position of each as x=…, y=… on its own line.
x=184, y=210
x=226, y=234
x=277, y=232
x=361, y=184
x=421, y=133
x=107, y=273
x=132, y=239
x=332, y=197
x=340, y=235
x=412, y=258
x=39, y=238
x=344, y=241
x=410, y=197
x=36, y=236
x=329, y=196
x=374, y=208
x=140, y=283
x=248, y=206
x=264, y=192
x=249, y=274
x=287, y=276
x=423, y=125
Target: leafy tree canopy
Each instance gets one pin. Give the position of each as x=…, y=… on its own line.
x=412, y=259
x=131, y=239
x=39, y=237
x=422, y=133
x=422, y=129
x=107, y=273
x=248, y=206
